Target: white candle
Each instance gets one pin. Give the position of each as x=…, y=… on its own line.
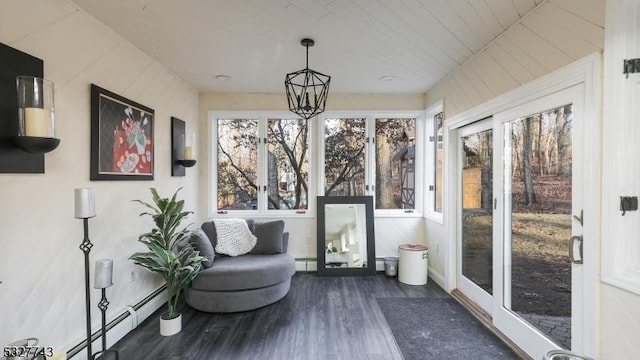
x=103, y=274
x=84, y=204
x=36, y=122
x=187, y=153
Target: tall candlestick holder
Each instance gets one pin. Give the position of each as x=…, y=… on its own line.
x=85, y=209
x=103, y=280
x=105, y=353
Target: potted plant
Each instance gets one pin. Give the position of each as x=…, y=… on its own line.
x=178, y=265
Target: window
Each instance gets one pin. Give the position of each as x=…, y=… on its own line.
x=261, y=164
x=395, y=154
x=438, y=146
x=372, y=155
x=344, y=157
x=237, y=164
x=435, y=162
x=288, y=164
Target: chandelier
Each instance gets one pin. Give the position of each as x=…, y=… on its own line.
x=307, y=89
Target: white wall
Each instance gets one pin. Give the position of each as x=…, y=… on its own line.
x=390, y=232
x=41, y=272
x=620, y=304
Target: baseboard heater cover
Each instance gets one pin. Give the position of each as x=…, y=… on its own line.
x=130, y=311
x=310, y=264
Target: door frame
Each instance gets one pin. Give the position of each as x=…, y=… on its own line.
x=586, y=71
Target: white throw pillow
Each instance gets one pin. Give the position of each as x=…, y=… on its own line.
x=233, y=237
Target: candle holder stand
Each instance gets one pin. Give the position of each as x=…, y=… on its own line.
x=86, y=246
x=105, y=353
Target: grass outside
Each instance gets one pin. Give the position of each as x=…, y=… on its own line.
x=541, y=270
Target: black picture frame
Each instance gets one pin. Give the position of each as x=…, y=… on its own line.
x=322, y=269
x=121, y=137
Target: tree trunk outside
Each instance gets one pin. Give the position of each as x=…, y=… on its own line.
x=384, y=197
x=527, y=160
x=563, y=167
x=486, y=175
x=539, y=145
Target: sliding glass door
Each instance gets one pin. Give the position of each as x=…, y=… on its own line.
x=520, y=220
x=538, y=303
x=475, y=258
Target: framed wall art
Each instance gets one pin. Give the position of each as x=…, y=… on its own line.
x=121, y=137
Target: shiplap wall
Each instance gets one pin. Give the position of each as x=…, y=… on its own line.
x=41, y=271
x=554, y=34
x=620, y=300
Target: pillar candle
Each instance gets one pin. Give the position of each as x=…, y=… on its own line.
x=103, y=274
x=84, y=204
x=36, y=122
x=187, y=154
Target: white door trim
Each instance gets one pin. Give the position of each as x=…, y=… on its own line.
x=586, y=71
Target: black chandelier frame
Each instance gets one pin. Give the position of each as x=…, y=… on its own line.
x=307, y=89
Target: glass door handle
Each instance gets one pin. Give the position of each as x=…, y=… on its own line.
x=573, y=241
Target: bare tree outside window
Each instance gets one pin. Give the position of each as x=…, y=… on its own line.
x=237, y=164
x=395, y=163
x=288, y=164
x=344, y=157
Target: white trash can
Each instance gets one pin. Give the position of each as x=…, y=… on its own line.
x=413, y=264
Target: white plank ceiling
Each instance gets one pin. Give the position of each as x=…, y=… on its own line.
x=256, y=42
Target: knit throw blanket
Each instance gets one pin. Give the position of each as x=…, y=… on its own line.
x=234, y=237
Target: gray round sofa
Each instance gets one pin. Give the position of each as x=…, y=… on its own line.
x=245, y=282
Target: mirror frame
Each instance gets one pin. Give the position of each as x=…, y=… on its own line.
x=371, y=241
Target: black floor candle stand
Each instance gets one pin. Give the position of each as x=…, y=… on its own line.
x=86, y=246
x=105, y=354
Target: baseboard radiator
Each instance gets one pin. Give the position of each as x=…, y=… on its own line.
x=120, y=326
x=311, y=264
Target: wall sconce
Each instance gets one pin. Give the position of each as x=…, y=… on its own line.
x=183, y=148
x=36, y=128
x=188, y=145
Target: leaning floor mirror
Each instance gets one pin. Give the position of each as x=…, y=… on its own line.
x=346, y=241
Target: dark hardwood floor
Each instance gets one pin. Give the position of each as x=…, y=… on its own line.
x=320, y=318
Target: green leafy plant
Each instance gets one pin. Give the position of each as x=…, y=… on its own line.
x=177, y=264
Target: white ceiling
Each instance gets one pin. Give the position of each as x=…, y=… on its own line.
x=257, y=42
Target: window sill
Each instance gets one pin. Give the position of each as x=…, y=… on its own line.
x=256, y=215
x=629, y=281
x=393, y=214
x=437, y=218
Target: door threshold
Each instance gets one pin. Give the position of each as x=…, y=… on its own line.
x=487, y=321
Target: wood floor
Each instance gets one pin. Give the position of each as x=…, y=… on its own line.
x=320, y=318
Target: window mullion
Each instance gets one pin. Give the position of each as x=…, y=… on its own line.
x=263, y=152
x=370, y=155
